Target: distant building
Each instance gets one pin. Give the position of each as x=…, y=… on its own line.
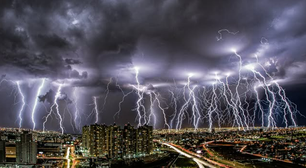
x=2, y=151
x=95, y=140
x=144, y=140
x=117, y=143
x=10, y=152
x=128, y=144
x=26, y=149
x=50, y=149
x=85, y=137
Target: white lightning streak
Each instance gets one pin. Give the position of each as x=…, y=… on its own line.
x=238, y=101
x=236, y=112
x=122, y=100
x=152, y=112
x=163, y=111
x=230, y=103
x=76, y=112
x=226, y=30
x=281, y=93
x=55, y=104
x=185, y=105
x=271, y=121
x=258, y=102
x=175, y=108
x=96, y=109
x=195, y=110
x=106, y=95
x=212, y=107
x=140, y=97
x=36, y=101
x=23, y=104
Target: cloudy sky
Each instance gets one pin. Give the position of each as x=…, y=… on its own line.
x=89, y=46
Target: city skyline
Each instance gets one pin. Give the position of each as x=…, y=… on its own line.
x=169, y=64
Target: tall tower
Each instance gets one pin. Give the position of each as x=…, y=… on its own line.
x=85, y=137
x=2, y=151
x=128, y=145
x=26, y=149
x=144, y=140
x=115, y=141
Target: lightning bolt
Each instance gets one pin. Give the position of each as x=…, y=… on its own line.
x=195, y=110
x=226, y=90
x=185, y=105
x=96, y=110
x=236, y=111
x=76, y=109
x=140, y=97
x=2, y=79
x=15, y=90
x=213, y=106
x=284, y=98
x=238, y=101
x=258, y=103
x=124, y=95
x=106, y=94
x=71, y=116
x=152, y=112
x=281, y=93
x=246, y=104
x=173, y=98
x=225, y=30
x=271, y=121
x=36, y=101
x=162, y=109
x=55, y=104
x=23, y=104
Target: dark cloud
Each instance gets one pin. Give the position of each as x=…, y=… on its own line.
x=72, y=61
x=64, y=97
x=49, y=97
x=50, y=41
x=82, y=44
x=105, y=35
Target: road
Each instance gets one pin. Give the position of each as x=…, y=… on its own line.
x=200, y=163
x=216, y=158
x=70, y=151
x=67, y=157
x=74, y=157
x=261, y=156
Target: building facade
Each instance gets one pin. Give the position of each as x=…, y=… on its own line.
x=85, y=137
x=144, y=139
x=2, y=151
x=117, y=143
x=26, y=149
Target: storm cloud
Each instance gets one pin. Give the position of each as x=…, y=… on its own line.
x=83, y=44
x=40, y=39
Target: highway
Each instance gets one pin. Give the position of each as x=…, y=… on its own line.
x=67, y=157
x=200, y=163
x=261, y=156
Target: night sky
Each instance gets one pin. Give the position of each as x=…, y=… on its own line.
x=91, y=48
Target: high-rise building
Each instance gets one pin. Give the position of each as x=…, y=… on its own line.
x=128, y=144
x=144, y=140
x=26, y=149
x=85, y=137
x=104, y=140
x=95, y=140
x=2, y=151
x=116, y=143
